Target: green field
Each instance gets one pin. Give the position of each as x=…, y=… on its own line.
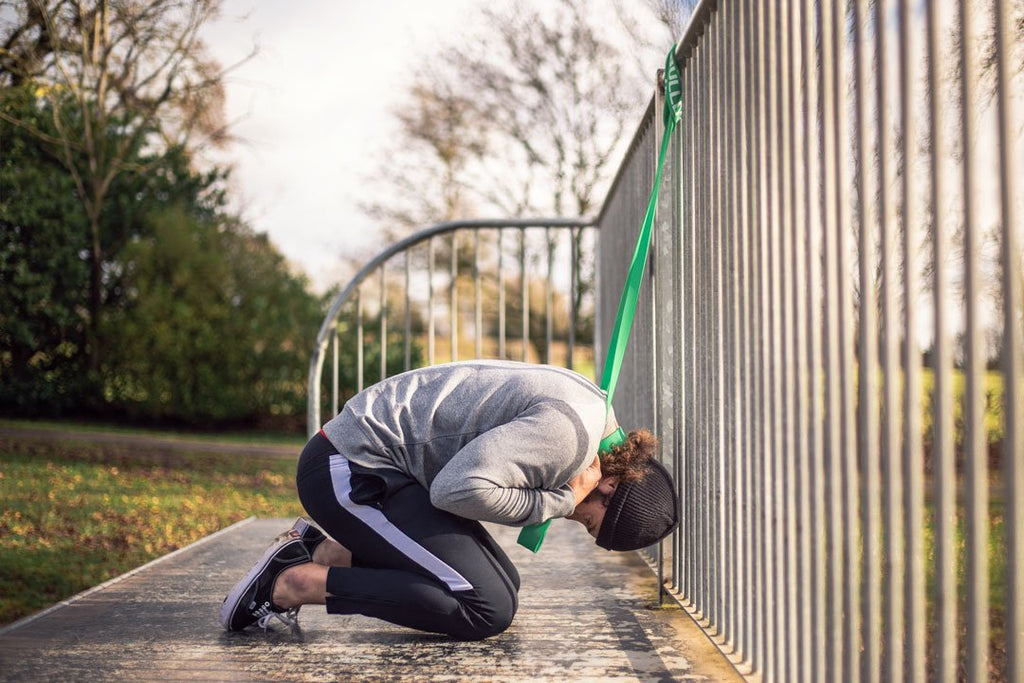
x=259, y=438
x=77, y=514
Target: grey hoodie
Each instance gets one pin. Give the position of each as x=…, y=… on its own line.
x=494, y=441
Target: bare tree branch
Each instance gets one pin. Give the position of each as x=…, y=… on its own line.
x=117, y=77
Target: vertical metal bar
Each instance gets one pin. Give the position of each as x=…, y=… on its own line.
x=816, y=200
x=735, y=483
x=453, y=306
x=944, y=473
x=703, y=400
x=707, y=292
x=832, y=198
x=763, y=636
x=710, y=337
x=727, y=335
x=655, y=339
x=780, y=446
x=814, y=197
x=707, y=321
x=714, y=325
x=776, y=667
x=524, y=288
x=679, y=325
x=675, y=386
x=810, y=22
x=696, y=422
x=728, y=331
x=383, y=322
x=407, y=336
x=696, y=245
x=430, y=301
x=574, y=288
x=852, y=571
x=359, y=339
x=774, y=588
x=548, y=295
x=478, y=309
x=599, y=313
x=868, y=359
x=797, y=634
x=749, y=628
x=501, y=294
x=891, y=649
x=725, y=450
x=334, y=369
x=975, y=455
x=733, y=525
x=699, y=421
x=1009, y=150
x=791, y=438
x=700, y=384
x=689, y=320
x=913, y=459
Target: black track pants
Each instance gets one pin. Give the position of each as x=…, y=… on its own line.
x=413, y=565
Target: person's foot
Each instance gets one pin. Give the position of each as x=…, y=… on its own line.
x=250, y=601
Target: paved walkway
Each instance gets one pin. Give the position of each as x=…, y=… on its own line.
x=585, y=614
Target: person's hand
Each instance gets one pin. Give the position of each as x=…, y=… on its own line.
x=586, y=481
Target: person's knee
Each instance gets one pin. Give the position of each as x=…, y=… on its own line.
x=500, y=620
x=489, y=618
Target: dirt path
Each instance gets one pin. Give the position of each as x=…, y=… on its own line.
x=162, y=443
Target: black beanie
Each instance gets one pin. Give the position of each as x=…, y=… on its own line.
x=640, y=513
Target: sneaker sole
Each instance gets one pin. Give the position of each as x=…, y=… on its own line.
x=233, y=600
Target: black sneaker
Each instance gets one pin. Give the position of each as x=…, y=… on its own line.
x=310, y=535
x=250, y=601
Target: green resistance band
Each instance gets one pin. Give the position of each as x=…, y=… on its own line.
x=533, y=536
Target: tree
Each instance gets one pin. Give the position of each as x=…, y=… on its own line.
x=558, y=100
x=117, y=79
x=42, y=331
x=527, y=117
x=215, y=329
x=661, y=24
x=203, y=321
x=426, y=177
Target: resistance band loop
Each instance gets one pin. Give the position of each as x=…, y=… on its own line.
x=532, y=536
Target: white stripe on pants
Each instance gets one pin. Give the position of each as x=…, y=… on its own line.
x=375, y=519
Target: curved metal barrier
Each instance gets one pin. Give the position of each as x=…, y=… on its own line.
x=561, y=243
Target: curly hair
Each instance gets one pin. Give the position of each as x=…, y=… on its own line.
x=628, y=460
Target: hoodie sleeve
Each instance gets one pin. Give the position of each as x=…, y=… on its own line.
x=517, y=473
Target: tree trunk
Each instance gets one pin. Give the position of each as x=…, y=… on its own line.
x=95, y=290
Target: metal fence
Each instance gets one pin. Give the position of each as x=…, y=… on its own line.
x=831, y=343
x=516, y=289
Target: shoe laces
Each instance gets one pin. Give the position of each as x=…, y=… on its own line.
x=289, y=617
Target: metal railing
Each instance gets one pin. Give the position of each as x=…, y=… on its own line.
x=831, y=343
x=499, y=265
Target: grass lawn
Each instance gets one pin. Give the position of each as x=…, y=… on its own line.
x=259, y=438
x=75, y=515
x=997, y=588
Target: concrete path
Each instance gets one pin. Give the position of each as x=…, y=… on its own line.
x=585, y=614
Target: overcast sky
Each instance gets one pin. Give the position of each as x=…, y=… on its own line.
x=313, y=111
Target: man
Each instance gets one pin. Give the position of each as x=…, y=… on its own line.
x=402, y=477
